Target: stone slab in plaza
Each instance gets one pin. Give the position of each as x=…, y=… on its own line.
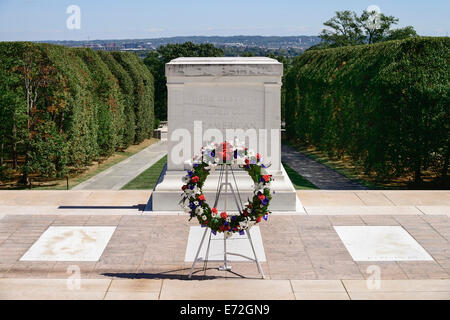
x=237, y=244
x=381, y=243
x=70, y=243
x=208, y=97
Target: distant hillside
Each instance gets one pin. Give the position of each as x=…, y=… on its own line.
x=233, y=45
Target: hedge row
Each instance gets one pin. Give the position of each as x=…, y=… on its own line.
x=87, y=104
x=385, y=105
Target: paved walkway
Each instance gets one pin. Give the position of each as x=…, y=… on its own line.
x=145, y=257
x=154, y=247
x=318, y=174
x=166, y=289
x=315, y=202
x=120, y=174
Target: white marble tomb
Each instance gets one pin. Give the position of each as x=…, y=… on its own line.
x=224, y=93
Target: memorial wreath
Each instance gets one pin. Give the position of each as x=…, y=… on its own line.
x=194, y=202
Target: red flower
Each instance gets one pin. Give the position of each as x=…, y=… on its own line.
x=258, y=156
x=261, y=197
x=223, y=215
x=247, y=161
x=195, y=179
x=214, y=210
x=245, y=213
x=258, y=220
x=249, y=205
x=266, y=177
x=201, y=197
x=222, y=228
x=184, y=187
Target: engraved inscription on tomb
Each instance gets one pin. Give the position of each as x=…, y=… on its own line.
x=232, y=111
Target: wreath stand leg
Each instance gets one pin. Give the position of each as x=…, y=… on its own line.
x=225, y=266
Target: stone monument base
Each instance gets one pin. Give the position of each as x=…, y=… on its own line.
x=167, y=194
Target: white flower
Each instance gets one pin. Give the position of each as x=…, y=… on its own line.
x=199, y=210
x=251, y=224
x=240, y=161
x=187, y=209
x=196, y=203
x=228, y=234
x=228, y=219
x=188, y=163
x=185, y=179
x=196, y=190
x=214, y=214
x=259, y=190
x=204, y=218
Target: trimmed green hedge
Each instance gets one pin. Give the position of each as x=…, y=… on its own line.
x=85, y=106
x=386, y=105
x=143, y=93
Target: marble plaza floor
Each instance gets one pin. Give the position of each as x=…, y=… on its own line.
x=338, y=249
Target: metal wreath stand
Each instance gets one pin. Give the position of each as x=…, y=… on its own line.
x=239, y=205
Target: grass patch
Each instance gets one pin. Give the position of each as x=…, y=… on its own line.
x=147, y=179
x=299, y=182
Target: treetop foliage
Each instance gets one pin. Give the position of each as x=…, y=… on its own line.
x=346, y=28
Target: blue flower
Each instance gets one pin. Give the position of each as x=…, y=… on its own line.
x=191, y=186
x=233, y=218
x=265, y=217
x=195, y=165
x=265, y=201
x=242, y=232
x=190, y=173
x=213, y=232
x=192, y=205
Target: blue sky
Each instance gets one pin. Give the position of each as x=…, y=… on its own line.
x=121, y=19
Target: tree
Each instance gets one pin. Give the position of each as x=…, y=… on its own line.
x=156, y=61
x=375, y=26
x=401, y=33
x=36, y=74
x=347, y=28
